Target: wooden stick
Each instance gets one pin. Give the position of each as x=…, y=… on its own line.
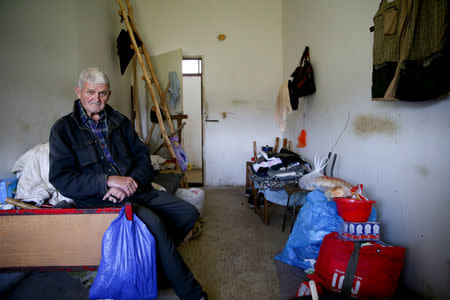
x=147, y=79
x=129, y=8
x=147, y=57
x=277, y=142
x=152, y=72
x=135, y=100
x=284, y=143
x=184, y=183
x=255, y=156
x=166, y=108
x=19, y=203
x=290, y=146
x=149, y=136
x=170, y=135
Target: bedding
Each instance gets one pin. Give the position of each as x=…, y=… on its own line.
x=33, y=185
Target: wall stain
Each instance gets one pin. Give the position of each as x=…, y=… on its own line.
x=239, y=102
x=366, y=125
x=424, y=171
x=21, y=124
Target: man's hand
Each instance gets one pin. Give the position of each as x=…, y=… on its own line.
x=115, y=195
x=124, y=183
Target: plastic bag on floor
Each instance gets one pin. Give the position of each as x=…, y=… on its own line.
x=128, y=266
x=195, y=196
x=316, y=218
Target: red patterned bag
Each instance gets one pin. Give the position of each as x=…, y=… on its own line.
x=372, y=272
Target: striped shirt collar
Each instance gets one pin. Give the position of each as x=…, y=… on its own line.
x=85, y=118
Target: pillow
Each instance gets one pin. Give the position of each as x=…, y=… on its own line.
x=157, y=161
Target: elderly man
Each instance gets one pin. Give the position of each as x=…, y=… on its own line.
x=97, y=159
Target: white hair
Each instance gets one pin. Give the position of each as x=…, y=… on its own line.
x=93, y=75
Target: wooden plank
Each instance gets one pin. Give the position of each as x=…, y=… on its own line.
x=277, y=142
x=52, y=240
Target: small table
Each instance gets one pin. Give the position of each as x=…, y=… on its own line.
x=290, y=188
x=251, y=184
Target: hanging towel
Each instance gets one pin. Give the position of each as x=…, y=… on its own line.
x=283, y=106
x=174, y=88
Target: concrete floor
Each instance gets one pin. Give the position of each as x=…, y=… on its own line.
x=194, y=176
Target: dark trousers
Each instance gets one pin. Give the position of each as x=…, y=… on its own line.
x=170, y=219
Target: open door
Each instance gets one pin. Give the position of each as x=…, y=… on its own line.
x=193, y=107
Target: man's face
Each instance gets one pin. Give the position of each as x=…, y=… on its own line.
x=93, y=97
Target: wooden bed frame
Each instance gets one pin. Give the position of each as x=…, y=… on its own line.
x=60, y=239
x=53, y=239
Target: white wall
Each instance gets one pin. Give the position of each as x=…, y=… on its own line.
x=192, y=132
x=241, y=74
x=45, y=44
x=399, y=151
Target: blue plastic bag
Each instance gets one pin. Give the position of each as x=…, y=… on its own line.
x=127, y=269
x=316, y=218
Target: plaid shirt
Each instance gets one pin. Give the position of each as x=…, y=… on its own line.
x=100, y=129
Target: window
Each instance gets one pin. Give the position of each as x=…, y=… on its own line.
x=192, y=66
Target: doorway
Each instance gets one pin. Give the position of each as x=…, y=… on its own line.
x=193, y=107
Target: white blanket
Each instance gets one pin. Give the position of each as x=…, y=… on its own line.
x=33, y=169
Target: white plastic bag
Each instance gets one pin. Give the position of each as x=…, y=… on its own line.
x=195, y=196
x=307, y=181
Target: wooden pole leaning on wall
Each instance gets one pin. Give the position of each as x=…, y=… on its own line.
x=137, y=110
x=146, y=75
x=149, y=136
x=165, y=108
x=154, y=79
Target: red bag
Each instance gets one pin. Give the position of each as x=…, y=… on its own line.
x=377, y=271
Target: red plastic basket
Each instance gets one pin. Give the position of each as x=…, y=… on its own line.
x=352, y=210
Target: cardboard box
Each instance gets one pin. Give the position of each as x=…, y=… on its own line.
x=360, y=231
x=7, y=188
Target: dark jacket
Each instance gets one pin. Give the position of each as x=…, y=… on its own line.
x=78, y=167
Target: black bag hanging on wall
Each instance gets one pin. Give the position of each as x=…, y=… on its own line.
x=302, y=83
